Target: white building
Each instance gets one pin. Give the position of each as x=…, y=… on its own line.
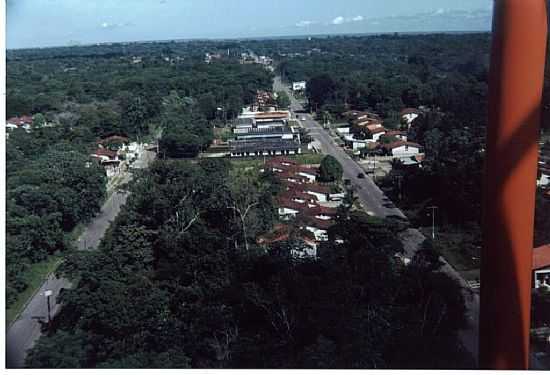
x=544, y=180
x=409, y=114
x=299, y=86
x=402, y=149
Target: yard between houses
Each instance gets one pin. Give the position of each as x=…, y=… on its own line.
x=458, y=248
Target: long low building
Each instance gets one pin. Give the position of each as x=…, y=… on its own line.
x=264, y=147
x=284, y=132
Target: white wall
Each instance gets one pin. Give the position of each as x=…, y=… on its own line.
x=320, y=196
x=405, y=151
x=543, y=180
x=320, y=234
x=310, y=177
x=301, y=85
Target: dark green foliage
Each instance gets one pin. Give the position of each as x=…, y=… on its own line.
x=283, y=101
x=330, y=169
x=175, y=284
x=47, y=195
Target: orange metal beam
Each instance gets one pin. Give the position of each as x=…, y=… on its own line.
x=515, y=93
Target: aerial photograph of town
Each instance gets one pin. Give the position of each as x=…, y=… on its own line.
x=276, y=185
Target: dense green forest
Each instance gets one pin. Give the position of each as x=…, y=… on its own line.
x=90, y=92
x=51, y=187
x=104, y=94
x=180, y=282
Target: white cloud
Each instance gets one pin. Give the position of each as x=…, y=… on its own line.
x=112, y=25
x=338, y=20
x=357, y=18
x=304, y=23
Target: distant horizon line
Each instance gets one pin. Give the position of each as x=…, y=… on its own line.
x=274, y=37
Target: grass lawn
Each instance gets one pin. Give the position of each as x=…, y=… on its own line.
x=35, y=277
x=257, y=161
x=457, y=247
x=308, y=158
x=224, y=134
x=248, y=162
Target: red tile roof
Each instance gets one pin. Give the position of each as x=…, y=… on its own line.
x=321, y=210
x=105, y=152
x=378, y=130
x=541, y=257
x=396, y=144
x=407, y=111
x=314, y=222
x=20, y=120
x=316, y=188
x=395, y=132
x=279, y=160
x=286, y=202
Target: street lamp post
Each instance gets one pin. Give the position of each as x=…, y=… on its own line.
x=48, y=294
x=433, y=208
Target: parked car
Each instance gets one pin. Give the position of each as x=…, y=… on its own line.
x=361, y=175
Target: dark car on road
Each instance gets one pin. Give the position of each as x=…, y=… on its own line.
x=361, y=175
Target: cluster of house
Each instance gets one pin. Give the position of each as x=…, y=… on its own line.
x=250, y=58
x=209, y=57
x=22, y=122
x=366, y=132
x=303, y=201
x=112, y=153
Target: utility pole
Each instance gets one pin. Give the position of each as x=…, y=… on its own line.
x=433, y=208
x=399, y=178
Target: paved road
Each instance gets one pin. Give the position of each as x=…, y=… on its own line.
x=376, y=203
x=23, y=333
x=371, y=197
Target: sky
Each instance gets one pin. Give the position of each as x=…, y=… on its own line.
x=42, y=23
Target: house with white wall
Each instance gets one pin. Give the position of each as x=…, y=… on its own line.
x=541, y=266
x=408, y=115
x=402, y=149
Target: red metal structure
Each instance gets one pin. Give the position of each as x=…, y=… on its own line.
x=515, y=92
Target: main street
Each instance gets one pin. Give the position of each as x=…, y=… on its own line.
x=23, y=332
x=376, y=203
x=369, y=194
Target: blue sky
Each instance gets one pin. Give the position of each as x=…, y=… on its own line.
x=40, y=23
